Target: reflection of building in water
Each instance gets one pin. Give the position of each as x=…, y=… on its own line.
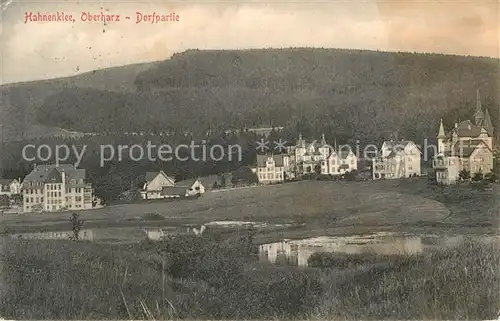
x=66, y=235
x=154, y=234
x=298, y=252
x=284, y=252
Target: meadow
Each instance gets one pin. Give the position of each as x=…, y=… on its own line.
x=219, y=275
x=323, y=207
x=210, y=277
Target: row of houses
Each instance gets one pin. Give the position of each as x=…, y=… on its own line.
x=49, y=188
x=395, y=160
x=305, y=158
x=468, y=146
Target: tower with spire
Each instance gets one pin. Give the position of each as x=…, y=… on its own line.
x=478, y=115
x=441, y=138
x=487, y=124
x=468, y=146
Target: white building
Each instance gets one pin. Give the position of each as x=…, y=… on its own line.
x=271, y=168
x=397, y=160
x=466, y=147
x=10, y=187
x=56, y=188
x=190, y=187
x=155, y=182
x=447, y=169
x=320, y=158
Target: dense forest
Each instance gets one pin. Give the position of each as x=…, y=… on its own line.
x=349, y=93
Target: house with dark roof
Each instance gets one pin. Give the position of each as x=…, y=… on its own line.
x=186, y=188
x=10, y=186
x=397, y=159
x=467, y=145
x=319, y=157
x=56, y=188
x=155, y=182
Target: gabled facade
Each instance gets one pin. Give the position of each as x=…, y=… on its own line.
x=56, y=188
x=10, y=187
x=319, y=157
x=272, y=168
x=185, y=188
x=467, y=146
x=397, y=160
x=155, y=182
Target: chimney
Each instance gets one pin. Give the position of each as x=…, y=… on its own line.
x=34, y=165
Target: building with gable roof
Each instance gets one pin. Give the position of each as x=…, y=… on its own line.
x=155, y=182
x=55, y=188
x=467, y=146
x=397, y=159
x=272, y=168
x=10, y=186
x=160, y=186
x=320, y=157
x=189, y=187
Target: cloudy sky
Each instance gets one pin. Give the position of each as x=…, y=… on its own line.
x=33, y=50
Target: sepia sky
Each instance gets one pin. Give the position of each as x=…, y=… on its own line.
x=54, y=49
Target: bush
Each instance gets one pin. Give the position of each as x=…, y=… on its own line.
x=153, y=217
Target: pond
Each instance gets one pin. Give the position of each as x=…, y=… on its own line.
x=297, y=252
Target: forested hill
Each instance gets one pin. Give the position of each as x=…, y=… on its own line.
x=348, y=93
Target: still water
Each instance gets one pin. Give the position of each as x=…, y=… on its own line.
x=297, y=252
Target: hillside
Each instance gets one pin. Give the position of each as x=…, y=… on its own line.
x=21, y=101
x=351, y=93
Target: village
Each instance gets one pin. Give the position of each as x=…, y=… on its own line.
x=465, y=152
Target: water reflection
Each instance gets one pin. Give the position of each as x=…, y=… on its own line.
x=297, y=252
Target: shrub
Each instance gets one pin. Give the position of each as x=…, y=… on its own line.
x=153, y=217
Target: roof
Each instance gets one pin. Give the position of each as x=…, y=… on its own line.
x=150, y=176
x=344, y=151
x=392, y=144
x=487, y=123
x=441, y=133
x=262, y=159
x=465, y=149
x=391, y=154
x=174, y=190
x=44, y=173
x=187, y=183
x=7, y=181
x=467, y=129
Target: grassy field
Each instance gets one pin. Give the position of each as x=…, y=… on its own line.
x=205, y=278
x=218, y=275
x=319, y=205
